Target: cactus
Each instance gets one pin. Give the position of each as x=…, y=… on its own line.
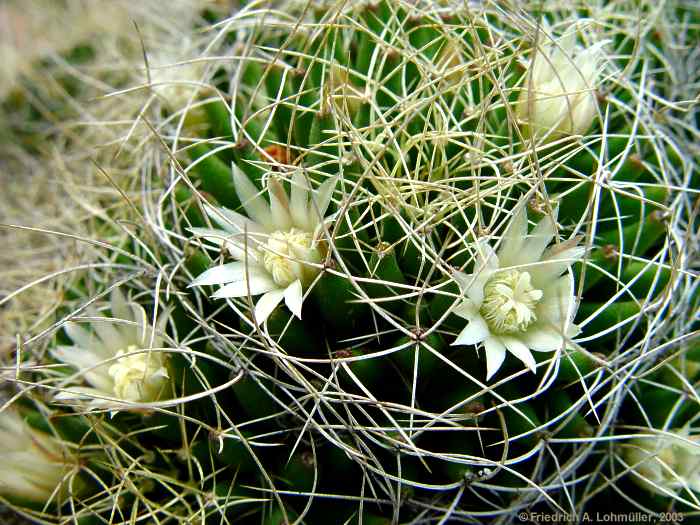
x=390, y=262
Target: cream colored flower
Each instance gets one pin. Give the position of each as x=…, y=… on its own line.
x=35, y=466
x=277, y=247
x=518, y=300
x=115, y=359
x=664, y=463
x=558, y=93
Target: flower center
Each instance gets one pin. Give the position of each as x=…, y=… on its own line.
x=509, y=302
x=138, y=377
x=283, y=253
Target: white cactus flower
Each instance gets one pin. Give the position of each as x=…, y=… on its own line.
x=558, y=93
x=277, y=247
x=518, y=300
x=664, y=463
x=35, y=466
x=115, y=358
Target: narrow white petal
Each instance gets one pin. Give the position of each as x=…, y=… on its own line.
x=231, y=221
x=588, y=62
x=100, y=379
x=557, y=302
x=224, y=273
x=472, y=285
x=520, y=350
x=464, y=280
x=293, y=297
x=320, y=202
x=266, y=305
x=583, y=114
x=255, y=205
x=300, y=199
x=486, y=257
x=466, y=310
x=256, y=283
x=538, y=240
x=542, y=338
x=161, y=325
x=87, y=363
x=243, y=248
x=495, y=355
x=513, y=238
x=139, y=335
x=555, y=261
x=475, y=332
x=119, y=306
x=109, y=334
x=84, y=339
x=217, y=237
x=279, y=205
x=76, y=356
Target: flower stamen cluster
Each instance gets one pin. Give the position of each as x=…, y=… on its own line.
x=509, y=302
x=280, y=252
x=138, y=375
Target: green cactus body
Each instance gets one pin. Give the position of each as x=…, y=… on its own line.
x=393, y=220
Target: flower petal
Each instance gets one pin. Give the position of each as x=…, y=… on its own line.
x=140, y=334
x=495, y=355
x=466, y=310
x=486, y=257
x=475, y=332
x=240, y=248
x=555, y=261
x=513, y=238
x=84, y=338
x=279, y=205
x=77, y=356
x=538, y=240
x=224, y=273
x=256, y=283
x=88, y=363
x=472, y=285
x=231, y=221
x=557, y=302
x=109, y=334
x=119, y=306
x=318, y=205
x=541, y=338
x=293, y=298
x=300, y=201
x=218, y=237
x=266, y=305
x=520, y=350
x=583, y=114
x=254, y=203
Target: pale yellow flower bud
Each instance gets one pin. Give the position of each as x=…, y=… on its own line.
x=558, y=92
x=664, y=463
